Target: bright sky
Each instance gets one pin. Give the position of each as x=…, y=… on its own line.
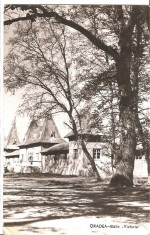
x=11, y=103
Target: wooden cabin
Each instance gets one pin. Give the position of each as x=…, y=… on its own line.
x=97, y=146
x=140, y=164
x=69, y=158
x=41, y=134
x=55, y=159
x=43, y=150
x=11, y=151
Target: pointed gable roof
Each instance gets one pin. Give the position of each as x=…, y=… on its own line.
x=12, y=140
x=31, y=132
x=42, y=131
x=50, y=129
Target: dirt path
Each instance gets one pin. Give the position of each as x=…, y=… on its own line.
x=72, y=205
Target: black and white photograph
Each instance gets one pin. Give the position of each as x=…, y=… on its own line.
x=76, y=119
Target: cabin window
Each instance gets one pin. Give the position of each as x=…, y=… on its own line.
x=96, y=153
x=37, y=157
x=138, y=157
x=15, y=142
x=138, y=154
x=52, y=133
x=30, y=157
x=75, y=153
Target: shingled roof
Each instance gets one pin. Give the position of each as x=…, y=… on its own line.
x=57, y=148
x=12, y=140
x=91, y=131
x=12, y=154
x=42, y=131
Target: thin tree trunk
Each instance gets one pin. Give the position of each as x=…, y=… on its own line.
x=92, y=162
x=148, y=168
x=113, y=144
x=84, y=148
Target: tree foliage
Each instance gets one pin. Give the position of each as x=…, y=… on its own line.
x=45, y=73
x=117, y=37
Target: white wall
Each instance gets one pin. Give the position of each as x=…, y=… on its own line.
x=140, y=168
x=13, y=164
x=103, y=164
x=24, y=153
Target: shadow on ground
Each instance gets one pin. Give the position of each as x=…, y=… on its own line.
x=28, y=200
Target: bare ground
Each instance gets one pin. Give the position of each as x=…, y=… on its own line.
x=45, y=204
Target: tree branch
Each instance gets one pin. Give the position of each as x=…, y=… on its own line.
x=95, y=41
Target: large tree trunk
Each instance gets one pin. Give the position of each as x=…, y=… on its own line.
x=124, y=162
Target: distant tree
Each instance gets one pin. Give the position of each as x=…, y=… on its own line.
x=98, y=24
x=140, y=60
